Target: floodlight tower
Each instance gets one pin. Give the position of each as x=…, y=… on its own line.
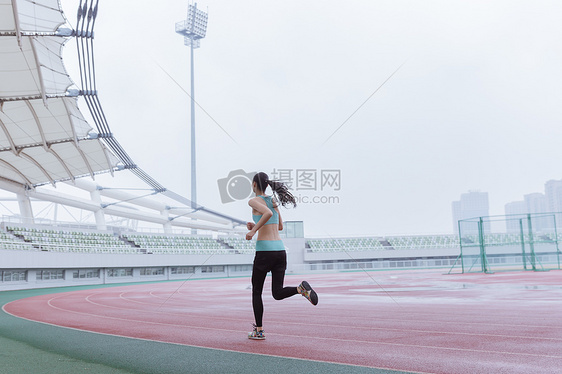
x=193, y=30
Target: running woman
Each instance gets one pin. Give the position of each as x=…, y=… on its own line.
x=270, y=251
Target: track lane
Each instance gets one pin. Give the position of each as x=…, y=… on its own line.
x=368, y=330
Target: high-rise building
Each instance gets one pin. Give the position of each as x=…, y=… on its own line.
x=456, y=207
x=539, y=205
x=553, y=195
x=514, y=211
x=535, y=203
x=473, y=204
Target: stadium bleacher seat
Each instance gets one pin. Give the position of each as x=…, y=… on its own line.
x=177, y=244
x=69, y=241
x=383, y=243
x=345, y=244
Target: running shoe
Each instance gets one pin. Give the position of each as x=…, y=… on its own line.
x=256, y=335
x=307, y=291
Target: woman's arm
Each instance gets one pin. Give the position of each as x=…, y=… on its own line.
x=266, y=214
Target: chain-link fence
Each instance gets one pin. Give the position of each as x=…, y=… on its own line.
x=530, y=242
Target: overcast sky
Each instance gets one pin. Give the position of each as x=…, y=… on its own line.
x=475, y=106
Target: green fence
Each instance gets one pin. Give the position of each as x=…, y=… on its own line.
x=529, y=242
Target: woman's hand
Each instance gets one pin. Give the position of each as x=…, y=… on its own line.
x=250, y=225
x=250, y=234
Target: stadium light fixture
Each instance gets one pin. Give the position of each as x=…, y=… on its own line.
x=193, y=29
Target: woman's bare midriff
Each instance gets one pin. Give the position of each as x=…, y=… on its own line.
x=269, y=232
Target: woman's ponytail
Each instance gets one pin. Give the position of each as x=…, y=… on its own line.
x=282, y=193
x=280, y=190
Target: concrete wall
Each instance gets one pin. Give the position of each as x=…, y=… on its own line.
x=233, y=264
x=310, y=256
x=299, y=259
x=16, y=259
x=33, y=261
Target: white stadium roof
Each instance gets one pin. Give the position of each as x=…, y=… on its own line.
x=44, y=138
x=30, y=16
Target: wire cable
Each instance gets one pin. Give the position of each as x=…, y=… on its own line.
x=188, y=278
x=364, y=102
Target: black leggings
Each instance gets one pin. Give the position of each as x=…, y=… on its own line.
x=265, y=261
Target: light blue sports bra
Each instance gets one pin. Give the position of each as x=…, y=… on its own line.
x=274, y=220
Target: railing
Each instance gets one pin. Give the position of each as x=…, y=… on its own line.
x=55, y=247
x=381, y=248
x=375, y=265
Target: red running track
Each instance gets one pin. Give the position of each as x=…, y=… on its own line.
x=419, y=321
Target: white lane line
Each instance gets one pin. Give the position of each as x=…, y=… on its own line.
x=319, y=338
x=407, y=330
x=210, y=348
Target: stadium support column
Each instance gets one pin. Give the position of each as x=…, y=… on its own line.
x=167, y=225
x=98, y=214
x=26, y=212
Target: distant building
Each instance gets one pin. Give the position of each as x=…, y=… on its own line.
x=516, y=207
x=535, y=204
x=456, y=207
x=553, y=195
x=512, y=209
x=473, y=204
